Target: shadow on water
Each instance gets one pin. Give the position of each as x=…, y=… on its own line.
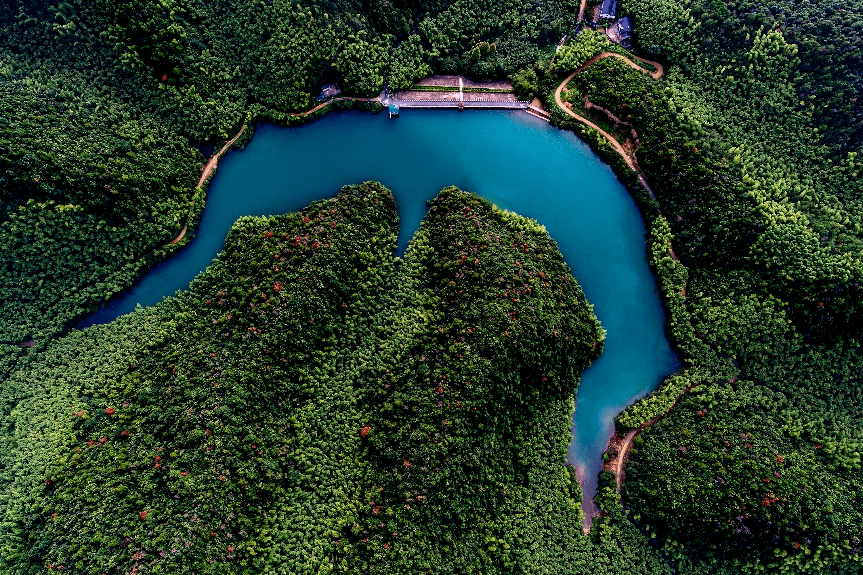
x=518, y=162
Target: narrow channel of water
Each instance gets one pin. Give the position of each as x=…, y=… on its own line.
x=510, y=158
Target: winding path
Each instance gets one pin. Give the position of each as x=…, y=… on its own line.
x=623, y=448
x=622, y=453
x=214, y=161
x=618, y=466
x=627, y=157
x=205, y=173
x=581, y=12
x=656, y=74
x=328, y=102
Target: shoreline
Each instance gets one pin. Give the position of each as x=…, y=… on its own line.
x=534, y=109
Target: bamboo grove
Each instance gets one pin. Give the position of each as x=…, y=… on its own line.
x=758, y=185
x=309, y=406
x=338, y=410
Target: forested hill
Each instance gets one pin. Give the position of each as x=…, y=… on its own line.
x=102, y=105
x=123, y=444
x=309, y=407
x=815, y=49
x=750, y=143
x=202, y=64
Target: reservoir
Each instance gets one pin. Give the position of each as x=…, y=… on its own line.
x=514, y=160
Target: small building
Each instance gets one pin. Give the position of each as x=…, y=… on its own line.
x=394, y=111
x=608, y=10
x=624, y=31
x=329, y=91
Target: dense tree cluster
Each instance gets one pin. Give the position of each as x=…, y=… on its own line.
x=84, y=196
x=103, y=104
x=467, y=485
x=308, y=406
x=759, y=466
x=339, y=412
x=726, y=39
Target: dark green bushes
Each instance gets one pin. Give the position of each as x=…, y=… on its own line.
x=102, y=103
x=763, y=299
x=466, y=439
x=308, y=407
x=84, y=198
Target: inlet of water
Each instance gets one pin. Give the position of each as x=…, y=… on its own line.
x=514, y=160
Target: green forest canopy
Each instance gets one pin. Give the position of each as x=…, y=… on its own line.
x=308, y=407
x=751, y=142
x=760, y=189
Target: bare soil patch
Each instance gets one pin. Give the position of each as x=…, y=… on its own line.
x=422, y=96
x=452, y=81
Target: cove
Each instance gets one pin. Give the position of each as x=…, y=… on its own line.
x=516, y=161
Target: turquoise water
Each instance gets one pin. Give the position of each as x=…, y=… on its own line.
x=514, y=160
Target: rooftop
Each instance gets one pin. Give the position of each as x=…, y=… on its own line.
x=624, y=25
x=608, y=9
x=329, y=91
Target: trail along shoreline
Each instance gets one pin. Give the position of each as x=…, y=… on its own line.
x=618, y=464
